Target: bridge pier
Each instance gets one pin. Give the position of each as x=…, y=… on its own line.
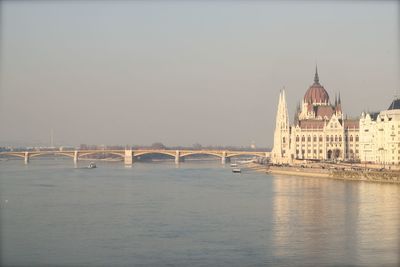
x=128, y=158
x=26, y=158
x=75, y=156
x=224, y=158
x=177, y=157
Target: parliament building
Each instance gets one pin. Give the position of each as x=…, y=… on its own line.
x=321, y=132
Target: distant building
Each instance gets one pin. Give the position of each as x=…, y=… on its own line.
x=380, y=135
x=319, y=131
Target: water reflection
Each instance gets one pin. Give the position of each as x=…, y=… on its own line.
x=378, y=222
x=321, y=221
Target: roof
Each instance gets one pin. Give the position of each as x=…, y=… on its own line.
x=316, y=94
x=351, y=123
x=374, y=115
x=324, y=111
x=311, y=124
x=395, y=104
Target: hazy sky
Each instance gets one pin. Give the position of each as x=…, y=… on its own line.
x=138, y=72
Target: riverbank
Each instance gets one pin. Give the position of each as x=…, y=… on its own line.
x=380, y=176
x=369, y=176
x=299, y=171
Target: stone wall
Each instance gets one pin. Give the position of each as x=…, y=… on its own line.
x=373, y=176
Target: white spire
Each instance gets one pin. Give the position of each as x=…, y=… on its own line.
x=285, y=114
x=280, y=150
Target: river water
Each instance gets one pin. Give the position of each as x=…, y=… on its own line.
x=194, y=214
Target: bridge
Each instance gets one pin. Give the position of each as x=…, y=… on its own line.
x=129, y=155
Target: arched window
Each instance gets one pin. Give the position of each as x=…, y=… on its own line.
x=331, y=138
x=315, y=138
x=320, y=138
x=327, y=138
x=309, y=138
x=303, y=138
x=297, y=138
x=351, y=138
x=284, y=140
x=335, y=138
x=356, y=138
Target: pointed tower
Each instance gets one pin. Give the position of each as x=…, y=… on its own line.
x=296, y=115
x=281, y=149
x=338, y=107
x=316, y=78
x=335, y=100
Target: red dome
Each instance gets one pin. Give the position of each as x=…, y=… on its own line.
x=316, y=94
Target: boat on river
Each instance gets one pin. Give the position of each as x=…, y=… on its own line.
x=92, y=165
x=236, y=170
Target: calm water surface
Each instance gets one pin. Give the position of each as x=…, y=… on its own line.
x=197, y=214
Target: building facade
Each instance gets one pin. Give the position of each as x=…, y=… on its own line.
x=319, y=131
x=380, y=135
